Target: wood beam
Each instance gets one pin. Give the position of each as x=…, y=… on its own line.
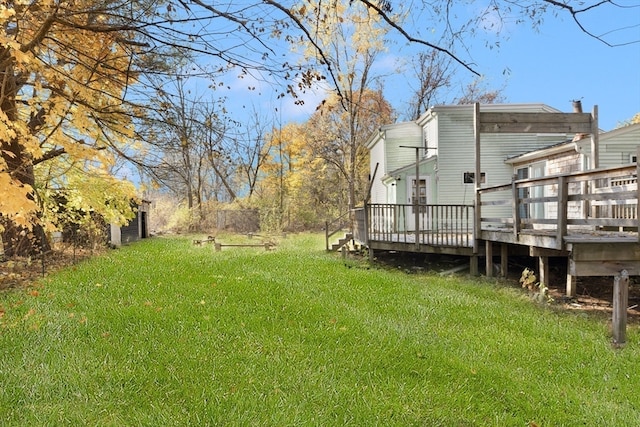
x=595, y=140
x=492, y=122
x=609, y=251
x=603, y=268
x=572, y=282
x=504, y=259
x=620, y=303
x=473, y=265
x=478, y=174
x=543, y=273
x=489, y=258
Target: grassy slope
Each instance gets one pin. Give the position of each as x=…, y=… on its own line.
x=165, y=333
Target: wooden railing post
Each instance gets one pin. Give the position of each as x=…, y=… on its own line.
x=563, y=200
x=365, y=215
x=620, y=302
x=326, y=234
x=515, y=207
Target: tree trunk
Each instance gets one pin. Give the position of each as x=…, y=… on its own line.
x=17, y=240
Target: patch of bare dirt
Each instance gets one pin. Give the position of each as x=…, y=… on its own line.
x=595, y=294
x=20, y=272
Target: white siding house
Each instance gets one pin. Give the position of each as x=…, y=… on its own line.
x=452, y=128
x=447, y=158
x=616, y=148
x=446, y=164
x=387, y=152
x=619, y=146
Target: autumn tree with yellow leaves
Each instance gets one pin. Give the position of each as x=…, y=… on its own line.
x=300, y=190
x=308, y=172
x=352, y=37
x=62, y=89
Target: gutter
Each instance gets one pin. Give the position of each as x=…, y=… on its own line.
x=545, y=152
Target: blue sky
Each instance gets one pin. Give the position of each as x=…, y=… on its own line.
x=553, y=65
x=560, y=63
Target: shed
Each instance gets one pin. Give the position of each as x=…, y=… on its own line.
x=136, y=229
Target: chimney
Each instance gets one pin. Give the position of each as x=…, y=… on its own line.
x=577, y=108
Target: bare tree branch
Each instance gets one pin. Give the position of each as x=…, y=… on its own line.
x=412, y=39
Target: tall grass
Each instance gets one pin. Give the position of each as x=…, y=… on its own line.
x=164, y=333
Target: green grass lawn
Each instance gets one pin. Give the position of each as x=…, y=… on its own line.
x=164, y=333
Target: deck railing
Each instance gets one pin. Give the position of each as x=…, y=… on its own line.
x=602, y=199
x=336, y=226
x=438, y=225
x=592, y=201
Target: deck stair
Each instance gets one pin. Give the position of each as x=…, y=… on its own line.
x=337, y=227
x=342, y=242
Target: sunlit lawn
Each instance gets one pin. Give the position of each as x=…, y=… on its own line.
x=164, y=333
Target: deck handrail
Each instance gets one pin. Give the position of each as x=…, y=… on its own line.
x=334, y=226
x=601, y=199
x=449, y=225
x=613, y=172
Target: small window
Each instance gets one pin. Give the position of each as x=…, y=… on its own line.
x=469, y=177
x=634, y=158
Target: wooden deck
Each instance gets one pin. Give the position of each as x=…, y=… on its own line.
x=589, y=217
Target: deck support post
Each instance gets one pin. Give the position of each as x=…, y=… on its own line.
x=473, y=265
x=488, y=245
x=638, y=188
x=504, y=259
x=416, y=199
x=543, y=267
x=571, y=281
x=371, y=255
x=620, y=303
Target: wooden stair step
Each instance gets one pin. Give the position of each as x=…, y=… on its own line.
x=341, y=242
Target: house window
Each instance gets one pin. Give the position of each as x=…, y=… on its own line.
x=526, y=207
x=422, y=189
x=537, y=208
x=469, y=177
x=633, y=158
x=523, y=193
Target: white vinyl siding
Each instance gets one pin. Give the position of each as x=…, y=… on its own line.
x=378, y=189
x=403, y=134
x=456, y=153
x=617, y=146
x=385, y=150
